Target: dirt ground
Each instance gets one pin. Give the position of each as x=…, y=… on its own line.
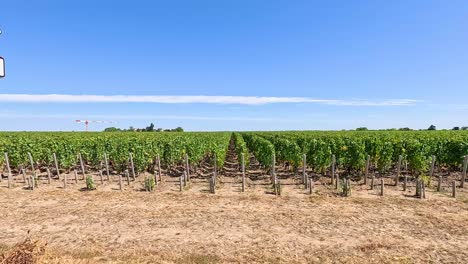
x=194, y=226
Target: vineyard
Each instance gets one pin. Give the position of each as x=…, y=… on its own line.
x=240, y=197
x=352, y=154
x=94, y=148
x=352, y=148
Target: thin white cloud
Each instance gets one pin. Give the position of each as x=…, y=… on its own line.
x=193, y=99
x=10, y=115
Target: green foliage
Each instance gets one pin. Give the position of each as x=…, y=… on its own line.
x=241, y=148
x=286, y=150
x=262, y=149
x=145, y=147
x=149, y=183
x=112, y=129
x=90, y=183
x=345, y=188
x=351, y=148
x=426, y=179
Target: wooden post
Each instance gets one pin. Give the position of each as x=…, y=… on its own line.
x=107, y=166
x=33, y=170
x=349, y=187
x=465, y=165
x=155, y=179
x=372, y=182
x=56, y=166
x=273, y=164
x=243, y=171
x=7, y=162
x=423, y=190
x=120, y=181
x=23, y=172
x=333, y=169
x=215, y=169
x=311, y=185
x=187, y=167
x=159, y=167
x=132, y=166
x=337, y=181
x=210, y=182
x=65, y=181
x=454, y=189
x=366, y=174
x=100, y=176
x=82, y=166
x=31, y=161
x=382, y=187
x=184, y=174
x=150, y=185
x=418, y=188
x=397, y=177
x=76, y=176
x=304, y=160
x=128, y=177
x=431, y=173
x=212, y=185
x=439, y=183
x=33, y=182
x=181, y=182
x=49, y=177
x=405, y=183
x=275, y=183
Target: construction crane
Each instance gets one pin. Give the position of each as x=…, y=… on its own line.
x=87, y=122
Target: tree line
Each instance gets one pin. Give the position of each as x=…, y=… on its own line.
x=150, y=128
x=431, y=127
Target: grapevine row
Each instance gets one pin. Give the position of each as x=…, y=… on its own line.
x=352, y=148
x=145, y=148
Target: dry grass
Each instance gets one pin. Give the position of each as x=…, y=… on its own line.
x=27, y=252
x=109, y=226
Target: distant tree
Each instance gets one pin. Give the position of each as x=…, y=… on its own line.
x=432, y=127
x=150, y=128
x=456, y=128
x=112, y=129
x=177, y=129
x=361, y=129
x=405, y=129
x=464, y=128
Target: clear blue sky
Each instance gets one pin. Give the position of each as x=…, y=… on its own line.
x=379, y=64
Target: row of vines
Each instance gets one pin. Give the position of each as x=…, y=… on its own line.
x=145, y=148
x=351, y=148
